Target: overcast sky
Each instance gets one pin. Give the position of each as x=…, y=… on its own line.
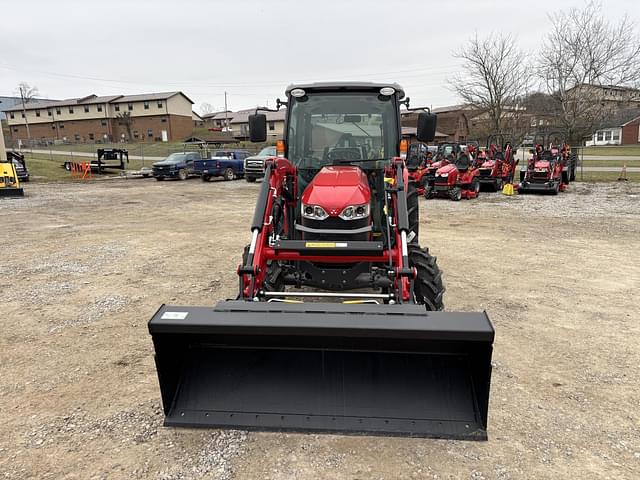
x=252, y=49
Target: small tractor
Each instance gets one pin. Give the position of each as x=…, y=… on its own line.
x=500, y=164
x=551, y=167
x=336, y=222
x=419, y=159
x=456, y=180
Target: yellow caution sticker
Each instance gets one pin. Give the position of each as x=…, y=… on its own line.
x=320, y=244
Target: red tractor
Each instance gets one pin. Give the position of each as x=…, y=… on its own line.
x=551, y=167
x=337, y=221
x=497, y=164
x=456, y=180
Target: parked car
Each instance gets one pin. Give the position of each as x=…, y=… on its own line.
x=21, y=166
x=254, y=165
x=176, y=165
x=224, y=163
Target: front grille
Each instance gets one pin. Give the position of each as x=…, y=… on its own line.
x=335, y=223
x=440, y=179
x=254, y=166
x=540, y=176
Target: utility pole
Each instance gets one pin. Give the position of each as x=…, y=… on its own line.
x=24, y=113
x=3, y=154
x=226, y=119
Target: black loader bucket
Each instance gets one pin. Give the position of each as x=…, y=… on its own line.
x=366, y=369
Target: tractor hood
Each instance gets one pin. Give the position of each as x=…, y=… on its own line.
x=488, y=164
x=542, y=165
x=446, y=169
x=334, y=188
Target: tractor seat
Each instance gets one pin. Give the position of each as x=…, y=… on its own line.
x=462, y=163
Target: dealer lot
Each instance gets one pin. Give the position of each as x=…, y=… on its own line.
x=558, y=276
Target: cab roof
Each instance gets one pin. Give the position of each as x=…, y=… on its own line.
x=345, y=87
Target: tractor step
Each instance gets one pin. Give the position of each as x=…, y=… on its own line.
x=337, y=248
x=365, y=369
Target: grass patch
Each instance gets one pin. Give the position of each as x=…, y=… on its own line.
x=44, y=169
x=614, y=150
x=617, y=163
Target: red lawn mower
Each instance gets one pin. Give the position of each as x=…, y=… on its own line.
x=456, y=180
x=497, y=164
x=551, y=167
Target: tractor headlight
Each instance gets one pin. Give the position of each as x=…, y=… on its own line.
x=313, y=212
x=355, y=212
x=444, y=175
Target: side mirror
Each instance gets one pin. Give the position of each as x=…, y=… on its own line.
x=258, y=127
x=426, y=128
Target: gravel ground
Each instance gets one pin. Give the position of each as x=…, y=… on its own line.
x=90, y=263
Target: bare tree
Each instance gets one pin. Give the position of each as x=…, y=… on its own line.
x=125, y=120
x=583, y=51
x=206, y=108
x=493, y=78
x=27, y=93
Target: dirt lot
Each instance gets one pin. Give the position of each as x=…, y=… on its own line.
x=86, y=265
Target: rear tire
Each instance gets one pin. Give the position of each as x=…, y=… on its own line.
x=428, y=289
x=229, y=175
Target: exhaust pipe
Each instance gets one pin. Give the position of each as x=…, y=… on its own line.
x=325, y=367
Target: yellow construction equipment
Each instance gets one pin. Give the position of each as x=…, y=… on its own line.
x=9, y=183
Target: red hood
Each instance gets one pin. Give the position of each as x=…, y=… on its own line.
x=334, y=188
x=541, y=164
x=488, y=164
x=446, y=169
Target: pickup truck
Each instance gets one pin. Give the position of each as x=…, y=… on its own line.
x=254, y=165
x=223, y=163
x=176, y=165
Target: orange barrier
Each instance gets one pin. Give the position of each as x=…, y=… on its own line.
x=81, y=170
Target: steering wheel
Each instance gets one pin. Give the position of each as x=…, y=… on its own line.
x=344, y=154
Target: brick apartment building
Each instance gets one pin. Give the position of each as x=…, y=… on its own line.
x=146, y=117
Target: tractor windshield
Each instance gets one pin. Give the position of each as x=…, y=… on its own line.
x=332, y=128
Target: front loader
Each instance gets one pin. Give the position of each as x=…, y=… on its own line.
x=338, y=323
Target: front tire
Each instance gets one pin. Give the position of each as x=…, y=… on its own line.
x=455, y=194
x=428, y=288
x=182, y=174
